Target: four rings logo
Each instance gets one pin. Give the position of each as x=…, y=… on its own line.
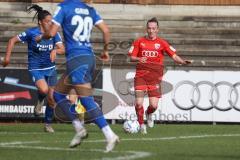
x=195, y=95
x=149, y=53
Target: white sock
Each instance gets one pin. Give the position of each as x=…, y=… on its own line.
x=108, y=133
x=77, y=125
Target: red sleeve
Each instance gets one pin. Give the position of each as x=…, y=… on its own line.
x=169, y=49
x=133, y=51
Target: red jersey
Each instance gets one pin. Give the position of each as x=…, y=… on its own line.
x=153, y=50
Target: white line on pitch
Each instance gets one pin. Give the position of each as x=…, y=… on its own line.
x=32, y=133
x=147, y=139
x=163, y=138
x=131, y=155
x=18, y=143
x=39, y=147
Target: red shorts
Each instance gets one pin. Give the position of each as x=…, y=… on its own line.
x=148, y=81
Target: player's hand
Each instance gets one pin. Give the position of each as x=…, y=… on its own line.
x=105, y=56
x=188, y=62
x=53, y=55
x=4, y=61
x=143, y=59
x=38, y=38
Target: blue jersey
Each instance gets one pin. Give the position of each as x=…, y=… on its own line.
x=39, y=53
x=77, y=20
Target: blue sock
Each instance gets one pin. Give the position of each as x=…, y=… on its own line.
x=41, y=96
x=48, y=115
x=93, y=111
x=65, y=105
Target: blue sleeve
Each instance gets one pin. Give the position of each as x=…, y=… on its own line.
x=24, y=36
x=57, y=38
x=58, y=15
x=96, y=17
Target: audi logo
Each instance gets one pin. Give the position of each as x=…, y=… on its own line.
x=196, y=94
x=149, y=53
x=113, y=45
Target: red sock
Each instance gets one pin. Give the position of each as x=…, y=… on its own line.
x=151, y=109
x=140, y=113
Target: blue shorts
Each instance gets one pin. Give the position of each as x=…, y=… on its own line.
x=80, y=69
x=49, y=75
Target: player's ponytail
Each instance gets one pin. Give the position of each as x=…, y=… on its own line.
x=40, y=13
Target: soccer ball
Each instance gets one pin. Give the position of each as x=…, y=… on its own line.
x=131, y=126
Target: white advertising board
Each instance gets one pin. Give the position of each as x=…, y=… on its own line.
x=211, y=96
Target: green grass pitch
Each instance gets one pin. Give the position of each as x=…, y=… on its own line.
x=163, y=142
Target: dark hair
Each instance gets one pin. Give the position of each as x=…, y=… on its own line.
x=40, y=13
x=154, y=19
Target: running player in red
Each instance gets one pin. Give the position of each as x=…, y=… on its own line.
x=149, y=52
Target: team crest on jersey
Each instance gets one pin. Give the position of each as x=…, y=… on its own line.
x=157, y=45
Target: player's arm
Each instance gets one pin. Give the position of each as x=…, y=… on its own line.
x=49, y=34
x=59, y=49
x=9, y=49
x=134, y=59
x=133, y=53
x=106, y=38
x=172, y=53
x=138, y=59
x=179, y=60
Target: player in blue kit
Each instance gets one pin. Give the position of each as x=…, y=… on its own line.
x=77, y=19
x=41, y=63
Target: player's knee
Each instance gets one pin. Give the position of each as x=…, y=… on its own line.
x=84, y=90
x=138, y=104
x=43, y=90
x=154, y=105
x=139, y=101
